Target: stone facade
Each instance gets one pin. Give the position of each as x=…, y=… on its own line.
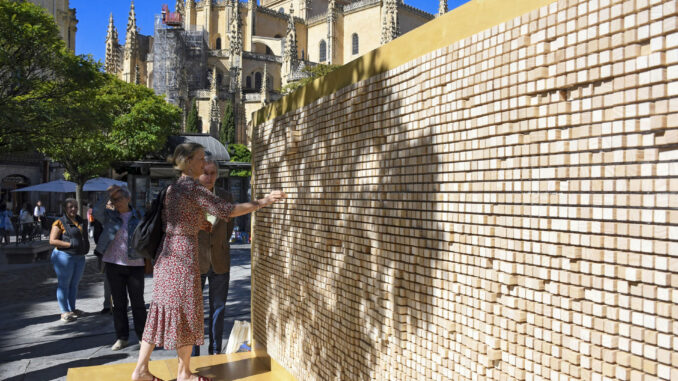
x=64, y=16
x=502, y=207
x=243, y=38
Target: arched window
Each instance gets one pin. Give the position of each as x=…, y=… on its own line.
x=323, y=51
x=199, y=124
x=355, y=42
x=217, y=44
x=302, y=54
x=248, y=82
x=257, y=81
x=220, y=77
x=268, y=50
x=281, y=10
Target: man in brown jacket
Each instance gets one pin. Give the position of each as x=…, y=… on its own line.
x=215, y=260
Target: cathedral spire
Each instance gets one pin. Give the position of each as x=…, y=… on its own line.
x=179, y=7
x=264, y=87
x=331, y=19
x=131, y=36
x=291, y=37
x=442, y=7
x=235, y=34
x=290, y=53
x=214, y=105
x=111, y=61
x=389, y=20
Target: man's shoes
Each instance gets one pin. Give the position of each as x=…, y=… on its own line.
x=68, y=317
x=78, y=312
x=106, y=310
x=119, y=344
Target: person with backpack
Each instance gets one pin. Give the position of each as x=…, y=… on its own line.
x=125, y=275
x=175, y=317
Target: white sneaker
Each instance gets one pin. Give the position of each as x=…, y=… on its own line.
x=119, y=344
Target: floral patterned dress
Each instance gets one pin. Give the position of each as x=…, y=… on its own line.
x=175, y=318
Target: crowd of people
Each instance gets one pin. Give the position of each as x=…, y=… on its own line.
x=197, y=223
x=29, y=224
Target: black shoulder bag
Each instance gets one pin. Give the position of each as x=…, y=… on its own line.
x=149, y=233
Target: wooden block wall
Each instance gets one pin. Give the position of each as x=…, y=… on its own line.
x=504, y=208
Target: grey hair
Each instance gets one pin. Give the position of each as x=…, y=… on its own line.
x=209, y=159
x=125, y=192
x=68, y=201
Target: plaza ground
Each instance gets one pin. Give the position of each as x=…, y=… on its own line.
x=36, y=345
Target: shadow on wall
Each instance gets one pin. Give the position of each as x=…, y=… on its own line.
x=345, y=284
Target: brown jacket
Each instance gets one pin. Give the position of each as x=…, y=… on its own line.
x=214, y=246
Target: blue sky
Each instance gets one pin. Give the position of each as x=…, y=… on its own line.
x=93, y=19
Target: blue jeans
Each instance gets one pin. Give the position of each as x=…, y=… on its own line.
x=69, y=269
x=218, y=292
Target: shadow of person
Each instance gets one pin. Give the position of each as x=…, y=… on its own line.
x=60, y=369
x=235, y=370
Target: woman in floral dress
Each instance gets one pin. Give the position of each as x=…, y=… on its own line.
x=175, y=317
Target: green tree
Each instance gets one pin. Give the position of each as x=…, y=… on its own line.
x=240, y=153
x=311, y=72
x=37, y=73
x=227, y=128
x=131, y=122
x=192, y=119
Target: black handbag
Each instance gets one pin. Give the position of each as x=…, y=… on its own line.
x=149, y=233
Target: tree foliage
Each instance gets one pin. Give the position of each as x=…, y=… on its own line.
x=37, y=73
x=192, y=119
x=227, y=128
x=311, y=72
x=132, y=121
x=240, y=153
x=62, y=105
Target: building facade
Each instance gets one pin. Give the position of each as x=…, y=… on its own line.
x=64, y=16
x=218, y=51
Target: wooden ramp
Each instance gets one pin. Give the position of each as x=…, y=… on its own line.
x=246, y=366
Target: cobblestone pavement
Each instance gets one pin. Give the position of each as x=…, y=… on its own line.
x=35, y=345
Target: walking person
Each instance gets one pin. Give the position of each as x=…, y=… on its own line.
x=39, y=215
x=124, y=274
x=26, y=222
x=69, y=236
x=175, y=318
x=215, y=260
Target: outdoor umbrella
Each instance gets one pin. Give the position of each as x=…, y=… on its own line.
x=100, y=184
x=58, y=186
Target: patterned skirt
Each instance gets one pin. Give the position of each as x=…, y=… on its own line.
x=175, y=318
